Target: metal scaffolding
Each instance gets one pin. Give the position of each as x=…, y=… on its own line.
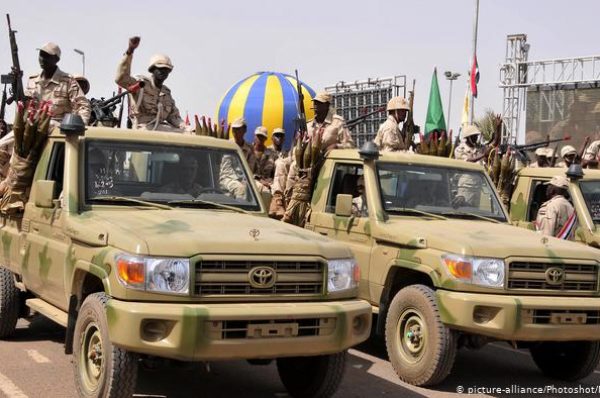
x=354, y=99
x=511, y=81
x=518, y=75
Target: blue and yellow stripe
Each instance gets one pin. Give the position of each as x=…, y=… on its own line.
x=265, y=99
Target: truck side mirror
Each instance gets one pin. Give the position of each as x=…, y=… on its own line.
x=43, y=193
x=343, y=205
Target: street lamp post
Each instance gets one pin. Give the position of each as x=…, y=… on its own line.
x=82, y=58
x=451, y=77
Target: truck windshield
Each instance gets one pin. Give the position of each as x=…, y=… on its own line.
x=452, y=193
x=591, y=193
x=186, y=176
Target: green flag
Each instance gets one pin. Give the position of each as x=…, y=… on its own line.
x=435, y=113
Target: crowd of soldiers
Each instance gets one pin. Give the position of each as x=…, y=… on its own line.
x=152, y=107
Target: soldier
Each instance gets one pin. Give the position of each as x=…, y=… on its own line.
x=469, y=149
x=389, y=136
x=58, y=87
x=331, y=127
x=556, y=217
x=359, y=202
x=265, y=163
x=186, y=178
x=568, y=154
x=153, y=107
x=590, y=157
x=232, y=177
x=83, y=82
x=543, y=157
x=276, y=147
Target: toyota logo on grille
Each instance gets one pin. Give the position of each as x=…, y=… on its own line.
x=262, y=277
x=555, y=276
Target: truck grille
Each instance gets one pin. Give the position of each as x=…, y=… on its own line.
x=547, y=317
x=234, y=278
x=252, y=329
x=552, y=277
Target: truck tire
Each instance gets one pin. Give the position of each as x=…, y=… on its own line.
x=568, y=361
x=9, y=303
x=312, y=377
x=101, y=369
x=420, y=347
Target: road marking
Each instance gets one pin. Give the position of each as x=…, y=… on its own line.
x=383, y=369
x=10, y=389
x=37, y=357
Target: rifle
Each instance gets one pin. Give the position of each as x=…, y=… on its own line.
x=3, y=106
x=16, y=72
x=409, y=129
x=102, y=109
x=520, y=150
x=357, y=120
x=301, y=118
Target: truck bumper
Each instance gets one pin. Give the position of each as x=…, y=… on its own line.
x=199, y=332
x=522, y=318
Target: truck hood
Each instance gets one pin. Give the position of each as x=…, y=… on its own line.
x=189, y=232
x=479, y=238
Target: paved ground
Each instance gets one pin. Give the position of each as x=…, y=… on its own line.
x=32, y=364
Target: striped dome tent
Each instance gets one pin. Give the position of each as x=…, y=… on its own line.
x=266, y=99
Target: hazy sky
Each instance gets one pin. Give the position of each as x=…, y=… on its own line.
x=214, y=44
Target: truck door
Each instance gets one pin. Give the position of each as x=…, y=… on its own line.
x=46, y=243
x=352, y=231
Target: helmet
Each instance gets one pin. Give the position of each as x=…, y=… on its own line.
x=160, y=61
x=83, y=82
x=397, y=103
x=567, y=150
x=323, y=97
x=470, y=130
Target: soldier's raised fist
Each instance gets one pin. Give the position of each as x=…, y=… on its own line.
x=134, y=42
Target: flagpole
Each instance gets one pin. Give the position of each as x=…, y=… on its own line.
x=475, y=22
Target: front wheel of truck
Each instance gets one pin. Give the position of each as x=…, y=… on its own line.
x=569, y=360
x=101, y=369
x=9, y=303
x=312, y=377
x=420, y=347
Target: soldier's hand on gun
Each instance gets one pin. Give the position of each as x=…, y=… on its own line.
x=134, y=42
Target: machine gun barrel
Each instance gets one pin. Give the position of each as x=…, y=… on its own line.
x=357, y=120
x=533, y=146
x=17, y=92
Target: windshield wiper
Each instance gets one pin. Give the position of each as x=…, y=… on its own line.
x=130, y=200
x=470, y=215
x=206, y=203
x=403, y=210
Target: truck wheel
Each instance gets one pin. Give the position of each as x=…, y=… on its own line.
x=420, y=347
x=569, y=360
x=101, y=369
x=312, y=377
x=9, y=303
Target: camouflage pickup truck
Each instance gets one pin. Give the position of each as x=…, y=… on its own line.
x=584, y=189
x=134, y=242
x=443, y=268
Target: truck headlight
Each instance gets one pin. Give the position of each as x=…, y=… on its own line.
x=154, y=274
x=342, y=274
x=488, y=272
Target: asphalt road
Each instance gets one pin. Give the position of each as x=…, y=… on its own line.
x=33, y=364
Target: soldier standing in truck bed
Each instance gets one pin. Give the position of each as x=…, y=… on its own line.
x=153, y=107
x=56, y=86
x=389, y=136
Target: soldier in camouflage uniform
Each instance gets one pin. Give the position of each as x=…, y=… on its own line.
x=590, y=157
x=231, y=177
x=568, y=153
x=389, y=136
x=469, y=150
x=153, y=107
x=276, y=148
x=556, y=217
x=331, y=127
x=52, y=84
x=265, y=159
